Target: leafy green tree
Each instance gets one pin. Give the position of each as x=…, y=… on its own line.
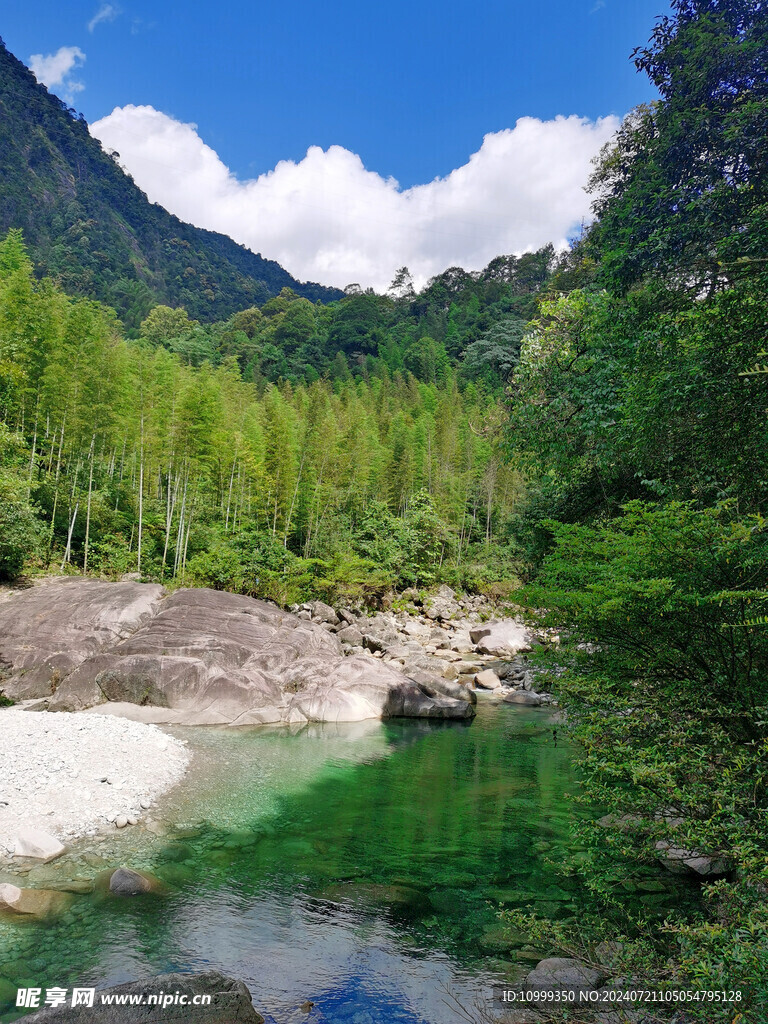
x=496, y=353
x=682, y=192
x=165, y=326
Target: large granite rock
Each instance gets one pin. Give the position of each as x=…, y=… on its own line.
x=502, y=639
x=198, y=657
x=230, y=1003
x=50, y=629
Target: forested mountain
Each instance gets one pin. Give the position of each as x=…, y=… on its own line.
x=594, y=425
x=92, y=229
x=119, y=455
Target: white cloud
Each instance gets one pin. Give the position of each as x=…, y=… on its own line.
x=107, y=12
x=54, y=70
x=327, y=218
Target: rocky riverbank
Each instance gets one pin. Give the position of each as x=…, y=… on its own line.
x=203, y=657
x=459, y=646
x=130, y=651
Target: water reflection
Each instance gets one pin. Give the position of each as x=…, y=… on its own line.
x=359, y=867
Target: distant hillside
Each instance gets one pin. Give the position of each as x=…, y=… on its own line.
x=89, y=226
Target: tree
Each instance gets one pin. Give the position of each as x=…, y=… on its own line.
x=166, y=326
x=496, y=353
x=682, y=193
x=401, y=289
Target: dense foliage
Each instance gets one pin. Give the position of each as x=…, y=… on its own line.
x=90, y=227
x=642, y=423
x=603, y=414
x=242, y=456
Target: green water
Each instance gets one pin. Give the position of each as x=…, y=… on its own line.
x=359, y=867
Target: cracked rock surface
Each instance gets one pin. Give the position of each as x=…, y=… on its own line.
x=196, y=657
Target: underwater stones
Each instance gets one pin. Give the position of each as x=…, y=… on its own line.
x=127, y=882
x=7, y=992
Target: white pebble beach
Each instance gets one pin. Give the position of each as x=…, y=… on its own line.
x=74, y=775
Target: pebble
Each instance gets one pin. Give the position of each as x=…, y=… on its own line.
x=72, y=774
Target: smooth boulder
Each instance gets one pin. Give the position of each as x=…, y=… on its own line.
x=49, y=629
x=565, y=975
x=524, y=698
x=38, y=903
x=502, y=639
x=203, y=657
x=127, y=882
x=487, y=680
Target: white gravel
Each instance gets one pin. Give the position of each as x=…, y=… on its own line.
x=73, y=775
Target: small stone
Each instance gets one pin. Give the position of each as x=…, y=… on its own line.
x=121, y=821
x=487, y=679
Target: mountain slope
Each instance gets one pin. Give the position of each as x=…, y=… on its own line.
x=88, y=225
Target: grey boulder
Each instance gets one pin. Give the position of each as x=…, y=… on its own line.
x=127, y=882
x=681, y=862
x=564, y=974
x=50, y=629
x=523, y=698
x=201, y=657
x=502, y=639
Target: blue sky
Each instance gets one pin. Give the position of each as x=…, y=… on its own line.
x=411, y=88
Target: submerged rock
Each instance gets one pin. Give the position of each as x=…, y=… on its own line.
x=38, y=903
x=127, y=882
x=198, y=657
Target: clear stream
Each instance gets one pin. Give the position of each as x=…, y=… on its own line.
x=359, y=867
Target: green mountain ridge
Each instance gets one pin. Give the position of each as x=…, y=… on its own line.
x=90, y=227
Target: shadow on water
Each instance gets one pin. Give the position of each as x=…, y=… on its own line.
x=367, y=881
